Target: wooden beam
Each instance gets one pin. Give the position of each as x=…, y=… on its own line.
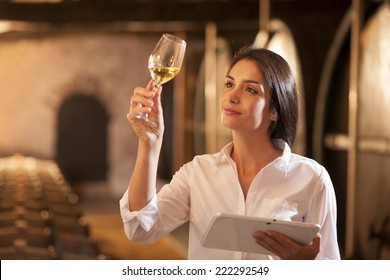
x=84, y=11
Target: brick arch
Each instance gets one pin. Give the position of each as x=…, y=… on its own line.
x=82, y=138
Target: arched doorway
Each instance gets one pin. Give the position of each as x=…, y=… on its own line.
x=81, y=150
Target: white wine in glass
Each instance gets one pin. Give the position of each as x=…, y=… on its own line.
x=164, y=63
x=161, y=75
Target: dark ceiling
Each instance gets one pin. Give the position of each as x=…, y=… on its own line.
x=154, y=10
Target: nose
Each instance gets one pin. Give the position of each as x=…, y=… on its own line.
x=233, y=96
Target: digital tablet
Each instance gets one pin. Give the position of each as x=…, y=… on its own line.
x=235, y=232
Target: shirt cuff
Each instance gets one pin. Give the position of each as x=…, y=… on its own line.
x=146, y=217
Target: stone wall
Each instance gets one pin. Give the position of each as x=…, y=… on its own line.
x=39, y=70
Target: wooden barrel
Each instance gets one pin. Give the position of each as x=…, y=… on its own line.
x=330, y=134
x=331, y=118
x=280, y=40
x=373, y=158
x=209, y=133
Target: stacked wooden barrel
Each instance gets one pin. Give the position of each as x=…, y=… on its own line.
x=40, y=216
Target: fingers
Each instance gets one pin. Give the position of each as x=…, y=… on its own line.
x=286, y=248
x=145, y=112
x=266, y=240
x=261, y=239
x=142, y=96
x=144, y=99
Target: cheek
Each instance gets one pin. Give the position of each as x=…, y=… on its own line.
x=223, y=95
x=220, y=103
x=260, y=112
x=258, y=108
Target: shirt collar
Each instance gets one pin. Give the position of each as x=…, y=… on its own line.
x=286, y=156
x=283, y=160
x=225, y=152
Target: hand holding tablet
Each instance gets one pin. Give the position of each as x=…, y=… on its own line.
x=235, y=232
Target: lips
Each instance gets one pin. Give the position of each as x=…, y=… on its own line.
x=230, y=112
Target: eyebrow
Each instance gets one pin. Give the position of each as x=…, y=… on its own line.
x=246, y=81
x=250, y=82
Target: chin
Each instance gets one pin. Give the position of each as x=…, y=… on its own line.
x=229, y=125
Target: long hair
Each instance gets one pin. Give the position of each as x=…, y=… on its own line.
x=282, y=88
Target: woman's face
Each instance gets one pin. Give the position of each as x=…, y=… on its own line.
x=244, y=102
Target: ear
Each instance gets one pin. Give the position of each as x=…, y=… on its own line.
x=273, y=115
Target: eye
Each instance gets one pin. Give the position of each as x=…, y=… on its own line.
x=228, y=84
x=251, y=90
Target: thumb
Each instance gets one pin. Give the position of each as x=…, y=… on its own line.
x=317, y=241
x=150, y=84
x=157, y=96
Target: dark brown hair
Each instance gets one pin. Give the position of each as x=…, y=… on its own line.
x=282, y=88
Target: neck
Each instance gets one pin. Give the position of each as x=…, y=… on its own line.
x=253, y=153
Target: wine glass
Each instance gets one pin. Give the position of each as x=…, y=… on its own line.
x=164, y=64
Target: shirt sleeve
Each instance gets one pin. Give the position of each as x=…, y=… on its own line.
x=146, y=217
x=323, y=211
x=166, y=211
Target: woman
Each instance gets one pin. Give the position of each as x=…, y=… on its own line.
x=255, y=175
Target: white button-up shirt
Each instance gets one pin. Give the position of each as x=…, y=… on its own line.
x=292, y=187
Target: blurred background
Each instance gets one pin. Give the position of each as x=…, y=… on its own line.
x=68, y=69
